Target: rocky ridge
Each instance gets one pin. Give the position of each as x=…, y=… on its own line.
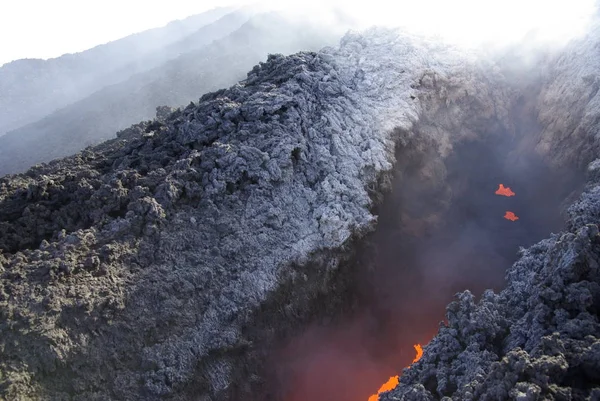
x=130, y=270
x=127, y=266
x=33, y=88
x=568, y=103
x=194, y=67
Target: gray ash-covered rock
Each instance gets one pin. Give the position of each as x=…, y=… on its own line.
x=196, y=65
x=129, y=270
x=567, y=105
x=134, y=269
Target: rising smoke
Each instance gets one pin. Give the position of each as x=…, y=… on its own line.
x=441, y=230
x=445, y=227
x=468, y=23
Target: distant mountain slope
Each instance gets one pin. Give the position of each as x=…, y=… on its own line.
x=175, y=83
x=33, y=88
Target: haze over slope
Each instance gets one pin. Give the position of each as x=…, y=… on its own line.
x=163, y=264
x=32, y=88
x=164, y=260
x=174, y=83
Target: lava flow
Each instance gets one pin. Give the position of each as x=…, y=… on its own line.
x=419, y=350
x=504, y=191
x=394, y=380
x=387, y=386
x=511, y=216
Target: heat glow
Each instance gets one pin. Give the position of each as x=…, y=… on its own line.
x=387, y=386
x=419, y=350
x=394, y=380
x=504, y=191
x=511, y=216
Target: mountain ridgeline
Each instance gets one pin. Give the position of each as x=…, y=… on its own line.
x=77, y=109
x=33, y=88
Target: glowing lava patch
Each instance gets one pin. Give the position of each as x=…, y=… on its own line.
x=504, y=191
x=419, y=350
x=387, y=386
x=394, y=380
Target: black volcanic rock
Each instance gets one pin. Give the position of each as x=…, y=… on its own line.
x=130, y=269
x=137, y=268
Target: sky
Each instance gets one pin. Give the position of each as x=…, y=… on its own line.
x=50, y=28
x=45, y=29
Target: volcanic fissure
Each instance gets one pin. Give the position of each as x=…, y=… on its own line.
x=445, y=224
x=299, y=237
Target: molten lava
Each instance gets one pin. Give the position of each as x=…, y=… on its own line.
x=394, y=380
x=419, y=350
x=511, y=216
x=504, y=191
x=387, y=386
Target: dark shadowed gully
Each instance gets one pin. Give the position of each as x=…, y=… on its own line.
x=247, y=246
x=536, y=339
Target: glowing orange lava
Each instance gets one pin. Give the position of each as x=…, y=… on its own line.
x=504, y=191
x=394, y=380
x=511, y=216
x=419, y=350
x=387, y=386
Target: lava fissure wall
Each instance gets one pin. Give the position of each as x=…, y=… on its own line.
x=200, y=219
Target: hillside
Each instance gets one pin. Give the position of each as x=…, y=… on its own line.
x=174, y=83
x=32, y=88
x=166, y=263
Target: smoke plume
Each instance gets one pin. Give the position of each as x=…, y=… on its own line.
x=443, y=229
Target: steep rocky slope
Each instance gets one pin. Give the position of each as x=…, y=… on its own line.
x=130, y=270
x=159, y=264
x=176, y=82
x=32, y=88
x=569, y=101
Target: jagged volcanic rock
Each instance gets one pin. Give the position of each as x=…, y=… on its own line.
x=568, y=103
x=537, y=339
x=131, y=270
x=126, y=265
x=191, y=70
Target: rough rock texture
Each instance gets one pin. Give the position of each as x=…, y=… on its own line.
x=129, y=270
x=569, y=101
x=211, y=58
x=133, y=269
x=537, y=339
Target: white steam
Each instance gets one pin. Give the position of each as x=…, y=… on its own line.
x=63, y=26
x=469, y=23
